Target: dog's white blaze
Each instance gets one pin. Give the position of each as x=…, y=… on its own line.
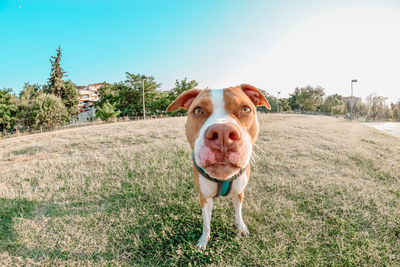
x=219, y=115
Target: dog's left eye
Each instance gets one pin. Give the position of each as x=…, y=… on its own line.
x=197, y=111
x=246, y=109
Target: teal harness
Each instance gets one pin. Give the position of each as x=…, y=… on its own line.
x=224, y=187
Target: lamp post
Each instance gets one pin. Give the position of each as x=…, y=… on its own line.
x=352, y=100
x=144, y=106
x=278, y=100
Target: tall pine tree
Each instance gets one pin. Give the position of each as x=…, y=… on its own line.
x=56, y=84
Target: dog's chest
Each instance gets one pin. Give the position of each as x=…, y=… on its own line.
x=209, y=188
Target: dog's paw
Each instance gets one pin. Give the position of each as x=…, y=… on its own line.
x=243, y=229
x=202, y=244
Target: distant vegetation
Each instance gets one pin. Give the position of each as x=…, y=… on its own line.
x=126, y=96
x=37, y=106
x=312, y=99
x=56, y=103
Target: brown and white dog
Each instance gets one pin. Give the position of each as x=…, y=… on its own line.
x=221, y=128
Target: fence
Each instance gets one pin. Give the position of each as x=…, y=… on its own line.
x=318, y=113
x=20, y=131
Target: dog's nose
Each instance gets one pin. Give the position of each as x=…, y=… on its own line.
x=222, y=136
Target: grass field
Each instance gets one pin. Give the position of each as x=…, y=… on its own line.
x=323, y=191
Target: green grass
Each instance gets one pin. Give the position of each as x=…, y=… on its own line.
x=323, y=192
x=27, y=151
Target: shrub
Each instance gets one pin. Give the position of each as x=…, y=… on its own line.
x=107, y=112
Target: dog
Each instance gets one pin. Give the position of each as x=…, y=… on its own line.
x=221, y=128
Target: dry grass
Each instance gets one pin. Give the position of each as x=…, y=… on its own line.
x=323, y=191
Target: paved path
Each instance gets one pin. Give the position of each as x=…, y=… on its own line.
x=392, y=128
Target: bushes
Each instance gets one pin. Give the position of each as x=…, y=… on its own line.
x=107, y=112
x=8, y=110
x=48, y=111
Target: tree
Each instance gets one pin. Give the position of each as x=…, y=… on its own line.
x=180, y=87
x=395, y=110
x=130, y=97
x=107, y=93
x=375, y=105
x=120, y=95
x=310, y=98
x=387, y=113
x=335, y=104
x=56, y=83
x=70, y=98
x=127, y=96
x=48, y=111
x=292, y=99
x=129, y=100
x=285, y=104
x=25, y=103
x=362, y=109
x=30, y=91
x=107, y=112
x=160, y=104
x=66, y=90
x=8, y=110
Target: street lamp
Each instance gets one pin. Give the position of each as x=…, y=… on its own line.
x=278, y=100
x=144, y=106
x=143, y=77
x=352, y=100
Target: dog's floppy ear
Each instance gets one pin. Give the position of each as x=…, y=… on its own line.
x=184, y=100
x=255, y=95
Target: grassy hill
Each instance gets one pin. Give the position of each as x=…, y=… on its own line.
x=323, y=191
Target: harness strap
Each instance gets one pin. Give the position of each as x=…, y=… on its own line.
x=224, y=187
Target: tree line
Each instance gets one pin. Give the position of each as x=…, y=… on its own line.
x=38, y=106
x=56, y=102
x=312, y=99
x=124, y=99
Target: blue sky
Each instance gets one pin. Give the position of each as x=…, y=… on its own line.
x=275, y=45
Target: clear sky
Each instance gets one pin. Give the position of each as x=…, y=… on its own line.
x=274, y=45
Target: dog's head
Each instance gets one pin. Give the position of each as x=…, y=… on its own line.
x=222, y=126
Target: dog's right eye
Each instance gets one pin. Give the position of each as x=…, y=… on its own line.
x=197, y=111
x=246, y=109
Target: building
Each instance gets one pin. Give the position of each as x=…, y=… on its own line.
x=88, y=96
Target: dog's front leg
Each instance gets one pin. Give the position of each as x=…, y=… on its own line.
x=237, y=204
x=206, y=210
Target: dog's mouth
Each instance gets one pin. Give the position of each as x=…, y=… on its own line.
x=222, y=164
x=222, y=169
